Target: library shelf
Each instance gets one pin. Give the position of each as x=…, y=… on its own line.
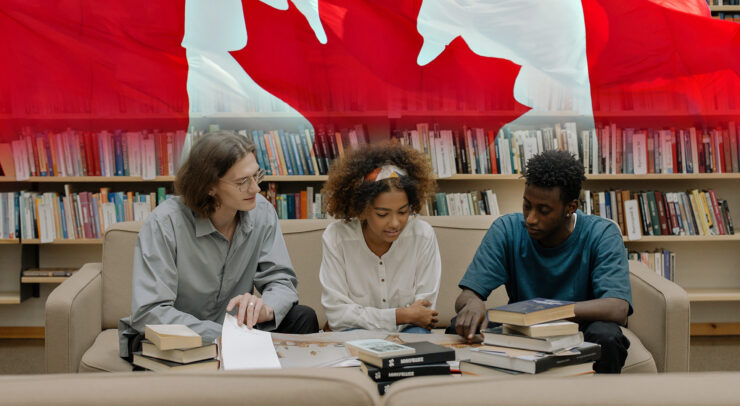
x=98, y=179
x=10, y=297
x=7, y=179
x=714, y=295
x=44, y=279
x=724, y=8
x=684, y=238
x=667, y=176
x=296, y=178
x=79, y=241
x=9, y=241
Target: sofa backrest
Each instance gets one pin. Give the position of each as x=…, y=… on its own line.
x=325, y=386
x=118, y=264
x=458, y=239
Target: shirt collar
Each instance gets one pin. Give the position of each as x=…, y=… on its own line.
x=203, y=225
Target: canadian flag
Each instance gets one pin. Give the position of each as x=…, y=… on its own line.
x=138, y=64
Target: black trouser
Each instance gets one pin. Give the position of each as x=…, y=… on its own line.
x=299, y=320
x=613, y=343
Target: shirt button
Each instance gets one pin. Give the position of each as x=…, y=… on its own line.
x=381, y=262
x=383, y=300
x=382, y=279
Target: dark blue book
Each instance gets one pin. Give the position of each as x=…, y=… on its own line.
x=258, y=155
x=532, y=311
x=284, y=145
x=394, y=374
x=296, y=154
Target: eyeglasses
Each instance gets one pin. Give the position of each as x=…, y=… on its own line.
x=244, y=184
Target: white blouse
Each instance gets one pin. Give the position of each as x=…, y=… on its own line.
x=361, y=290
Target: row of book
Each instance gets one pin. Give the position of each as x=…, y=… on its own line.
x=728, y=16
x=533, y=338
x=84, y=153
x=604, y=150
x=305, y=204
x=474, y=203
x=652, y=212
x=50, y=216
x=660, y=261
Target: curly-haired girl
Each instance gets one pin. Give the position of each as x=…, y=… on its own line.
x=381, y=267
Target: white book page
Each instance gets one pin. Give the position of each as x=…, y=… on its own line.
x=242, y=348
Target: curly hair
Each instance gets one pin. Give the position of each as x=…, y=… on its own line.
x=347, y=193
x=556, y=168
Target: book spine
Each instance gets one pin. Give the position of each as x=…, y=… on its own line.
x=415, y=359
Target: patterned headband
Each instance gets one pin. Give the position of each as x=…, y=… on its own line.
x=385, y=172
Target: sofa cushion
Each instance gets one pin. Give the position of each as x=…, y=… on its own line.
x=676, y=389
x=102, y=356
x=639, y=359
x=330, y=386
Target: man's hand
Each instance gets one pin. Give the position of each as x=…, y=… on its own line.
x=252, y=310
x=471, y=314
x=418, y=314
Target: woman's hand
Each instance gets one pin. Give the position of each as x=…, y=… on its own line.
x=252, y=310
x=418, y=314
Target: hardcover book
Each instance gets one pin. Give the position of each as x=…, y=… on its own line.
x=533, y=362
x=182, y=356
x=532, y=311
x=426, y=353
x=154, y=364
x=172, y=336
x=550, y=328
x=379, y=348
x=392, y=374
x=471, y=368
x=496, y=336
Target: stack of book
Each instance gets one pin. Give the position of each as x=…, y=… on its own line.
x=533, y=339
x=174, y=347
x=386, y=361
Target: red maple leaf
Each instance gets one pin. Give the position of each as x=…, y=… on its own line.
x=368, y=67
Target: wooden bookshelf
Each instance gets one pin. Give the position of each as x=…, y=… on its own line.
x=79, y=241
x=98, y=179
x=10, y=298
x=667, y=176
x=7, y=179
x=724, y=8
x=296, y=178
x=685, y=238
x=44, y=279
x=714, y=295
x=9, y=241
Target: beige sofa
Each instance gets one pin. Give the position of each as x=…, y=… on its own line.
x=339, y=386
x=82, y=313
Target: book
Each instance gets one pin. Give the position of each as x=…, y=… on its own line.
x=499, y=337
x=532, y=311
x=182, y=356
x=471, y=368
x=533, y=362
x=392, y=374
x=426, y=353
x=172, y=336
x=48, y=272
x=154, y=364
x=379, y=348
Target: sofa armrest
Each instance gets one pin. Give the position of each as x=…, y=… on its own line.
x=661, y=318
x=73, y=319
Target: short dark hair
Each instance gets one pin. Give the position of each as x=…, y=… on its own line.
x=347, y=192
x=209, y=159
x=555, y=168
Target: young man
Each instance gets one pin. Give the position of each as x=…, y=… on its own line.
x=553, y=250
x=202, y=253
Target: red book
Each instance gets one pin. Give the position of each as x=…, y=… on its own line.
x=660, y=202
x=86, y=214
x=161, y=149
x=304, y=205
x=95, y=147
x=492, y=148
x=717, y=213
x=702, y=165
x=87, y=139
x=674, y=150
x=675, y=229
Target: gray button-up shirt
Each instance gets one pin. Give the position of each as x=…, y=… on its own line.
x=185, y=271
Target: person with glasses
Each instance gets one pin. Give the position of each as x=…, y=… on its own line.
x=202, y=253
x=380, y=267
